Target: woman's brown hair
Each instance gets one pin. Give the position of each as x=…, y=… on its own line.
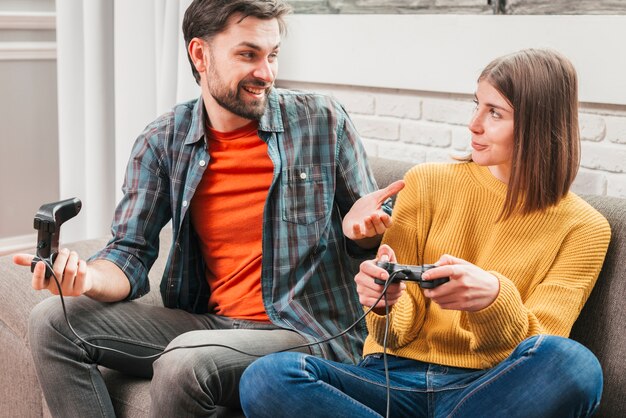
x=542, y=87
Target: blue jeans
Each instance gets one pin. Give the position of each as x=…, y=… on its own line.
x=545, y=376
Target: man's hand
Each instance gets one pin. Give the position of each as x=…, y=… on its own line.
x=366, y=221
x=70, y=270
x=100, y=279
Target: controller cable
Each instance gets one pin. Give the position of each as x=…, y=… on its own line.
x=154, y=356
x=390, y=279
x=388, y=386
x=383, y=295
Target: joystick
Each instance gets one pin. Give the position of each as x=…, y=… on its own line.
x=48, y=221
x=410, y=274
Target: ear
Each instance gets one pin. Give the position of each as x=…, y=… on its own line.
x=199, y=54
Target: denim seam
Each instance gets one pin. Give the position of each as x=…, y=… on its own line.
x=94, y=389
x=116, y=338
x=376, y=383
x=502, y=372
x=85, y=356
x=432, y=375
x=334, y=389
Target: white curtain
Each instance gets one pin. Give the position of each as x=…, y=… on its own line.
x=120, y=64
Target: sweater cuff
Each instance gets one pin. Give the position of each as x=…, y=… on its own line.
x=507, y=301
x=401, y=318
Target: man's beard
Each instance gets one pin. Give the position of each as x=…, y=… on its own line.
x=231, y=99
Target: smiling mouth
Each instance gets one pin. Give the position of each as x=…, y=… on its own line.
x=478, y=147
x=257, y=91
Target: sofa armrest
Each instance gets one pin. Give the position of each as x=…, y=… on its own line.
x=18, y=297
x=600, y=326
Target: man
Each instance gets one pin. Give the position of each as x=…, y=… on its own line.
x=255, y=181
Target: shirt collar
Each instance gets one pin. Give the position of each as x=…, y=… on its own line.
x=198, y=119
x=271, y=121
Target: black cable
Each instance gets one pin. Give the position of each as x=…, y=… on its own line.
x=155, y=356
x=387, y=414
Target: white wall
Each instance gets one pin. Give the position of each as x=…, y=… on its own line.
x=28, y=117
x=407, y=81
x=118, y=64
x=445, y=53
x=419, y=126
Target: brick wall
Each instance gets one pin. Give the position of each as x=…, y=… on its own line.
x=391, y=6
x=461, y=6
x=421, y=126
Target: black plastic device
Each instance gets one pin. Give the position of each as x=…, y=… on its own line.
x=387, y=206
x=48, y=221
x=410, y=274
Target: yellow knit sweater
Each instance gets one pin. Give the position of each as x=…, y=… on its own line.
x=547, y=263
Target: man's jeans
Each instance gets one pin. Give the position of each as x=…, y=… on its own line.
x=186, y=382
x=545, y=376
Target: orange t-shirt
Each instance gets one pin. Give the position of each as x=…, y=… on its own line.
x=227, y=213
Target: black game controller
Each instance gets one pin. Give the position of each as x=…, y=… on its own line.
x=48, y=221
x=387, y=206
x=410, y=274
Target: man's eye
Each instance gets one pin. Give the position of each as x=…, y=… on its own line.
x=247, y=55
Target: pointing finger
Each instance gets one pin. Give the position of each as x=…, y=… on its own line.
x=390, y=190
x=23, y=259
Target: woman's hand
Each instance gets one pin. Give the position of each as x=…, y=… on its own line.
x=470, y=288
x=368, y=290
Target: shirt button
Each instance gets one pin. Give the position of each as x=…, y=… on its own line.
x=202, y=163
x=185, y=203
x=303, y=176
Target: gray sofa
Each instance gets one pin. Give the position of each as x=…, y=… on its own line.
x=601, y=326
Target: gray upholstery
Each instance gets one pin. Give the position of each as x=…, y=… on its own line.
x=601, y=326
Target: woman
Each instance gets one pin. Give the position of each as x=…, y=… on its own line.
x=522, y=253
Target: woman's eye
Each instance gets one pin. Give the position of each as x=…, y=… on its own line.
x=495, y=114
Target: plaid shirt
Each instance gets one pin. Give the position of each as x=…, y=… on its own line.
x=320, y=170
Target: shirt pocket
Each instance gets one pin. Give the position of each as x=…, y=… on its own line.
x=306, y=194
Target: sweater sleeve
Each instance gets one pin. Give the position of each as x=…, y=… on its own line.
x=406, y=318
x=552, y=306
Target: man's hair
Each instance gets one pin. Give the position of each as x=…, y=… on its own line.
x=206, y=18
x=542, y=87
